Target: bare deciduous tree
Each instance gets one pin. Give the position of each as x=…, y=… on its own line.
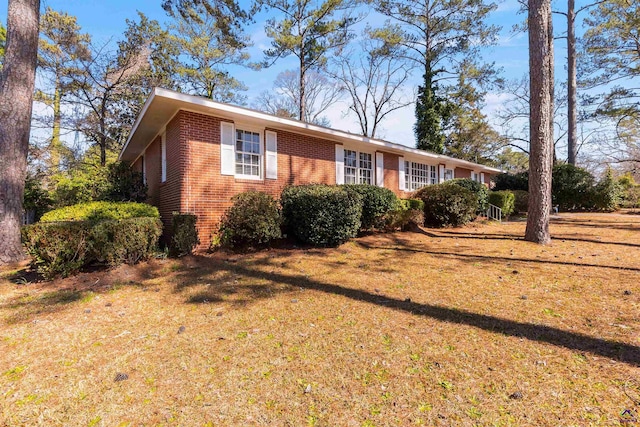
x=320, y=94
x=374, y=81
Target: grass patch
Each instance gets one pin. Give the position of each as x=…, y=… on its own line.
x=468, y=326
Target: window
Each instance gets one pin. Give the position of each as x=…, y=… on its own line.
x=358, y=167
x=418, y=175
x=448, y=174
x=434, y=175
x=365, y=168
x=248, y=154
x=144, y=169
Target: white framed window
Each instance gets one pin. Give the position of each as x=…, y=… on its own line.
x=448, y=174
x=163, y=154
x=358, y=167
x=418, y=175
x=248, y=158
x=365, y=169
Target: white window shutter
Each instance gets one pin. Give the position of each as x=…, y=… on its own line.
x=227, y=158
x=272, y=155
x=441, y=173
x=401, y=172
x=339, y=164
x=482, y=177
x=380, y=169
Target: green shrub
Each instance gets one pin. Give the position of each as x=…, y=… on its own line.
x=376, y=202
x=607, y=193
x=253, y=220
x=404, y=217
x=125, y=184
x=98, y=211
x=415, y=204
x=36, y=198
x=478, y=189
x=573, y=188
x=128, y=240
x=60, y=248
x=80, y=185
x=321, y=215
x=521, y=203
x=510, y=181
x=447, y=205
x=185, y=234
x=505, y=200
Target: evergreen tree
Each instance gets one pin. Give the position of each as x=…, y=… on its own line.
x=61, y=47
x=437, y=36
x=309, y=31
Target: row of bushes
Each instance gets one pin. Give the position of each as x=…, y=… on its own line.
x=325, y=215
x=110, y=233
x=316, y=214
x=573, y=188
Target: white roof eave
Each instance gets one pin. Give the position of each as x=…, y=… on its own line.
x=207, y=106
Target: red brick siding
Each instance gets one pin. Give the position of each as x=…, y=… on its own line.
x=207, y=193
x=462, y=173
x=152, y=168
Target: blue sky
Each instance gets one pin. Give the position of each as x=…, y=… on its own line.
x=105, y=21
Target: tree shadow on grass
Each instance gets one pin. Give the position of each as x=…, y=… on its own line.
x=26, y=307
x=443, y=234
x=472, y=257
x=614, y=350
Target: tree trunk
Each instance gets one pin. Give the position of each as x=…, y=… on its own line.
x=572, y=84
x=303, y=104
x=541, y=120
x=17, y=81
x=55, y=148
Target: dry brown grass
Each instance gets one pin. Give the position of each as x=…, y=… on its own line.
x=468, y=326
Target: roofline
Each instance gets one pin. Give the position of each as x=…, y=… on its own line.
x=303, y=126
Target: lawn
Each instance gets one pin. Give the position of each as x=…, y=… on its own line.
x=468, y=326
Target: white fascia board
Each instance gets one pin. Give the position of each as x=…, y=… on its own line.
x=233, y=111
x=138, y=120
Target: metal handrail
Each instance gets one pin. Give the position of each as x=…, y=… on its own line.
x=494, y=213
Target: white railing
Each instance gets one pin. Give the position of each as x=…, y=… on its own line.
x=494, y=213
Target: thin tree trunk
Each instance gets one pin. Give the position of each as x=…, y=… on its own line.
x=541, y=120
x=55, y=148
x=303, y=106
x=572, y=84
x=17, y=81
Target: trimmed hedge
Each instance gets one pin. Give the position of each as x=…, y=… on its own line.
x=62, y=248
x=505, y=200
x=59, y=248
x=185, y=234
x=508, y=181
x=405, y=216
x=321, y=215
x=99, y=211
x=521, y=203
x=128, y=240
x=447, y=205
x=253, y=220
x=478, y=189
x=376, y=202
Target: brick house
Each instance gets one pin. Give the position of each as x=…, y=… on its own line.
x=195, y=154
